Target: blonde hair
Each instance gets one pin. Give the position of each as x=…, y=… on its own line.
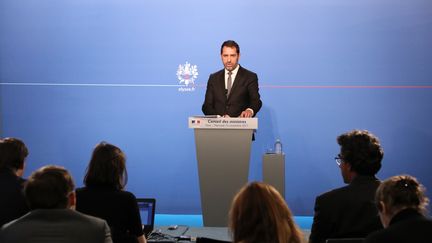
x=402, y=191
x=259, y=214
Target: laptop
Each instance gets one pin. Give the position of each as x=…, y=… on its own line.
x=147, y=209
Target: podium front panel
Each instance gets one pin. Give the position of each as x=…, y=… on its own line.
x=223, y=165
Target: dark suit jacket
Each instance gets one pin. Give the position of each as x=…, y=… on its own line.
x=12, y=201
x=346, y=212
x=56, y=226
x=118, y=207
x=408, y=226
x=244, y=94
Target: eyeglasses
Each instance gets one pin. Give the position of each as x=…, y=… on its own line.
x=338, y=160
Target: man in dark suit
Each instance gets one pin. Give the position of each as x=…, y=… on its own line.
x=350, y=211
x=232, y=91
x=13, y=153
x=50, y=194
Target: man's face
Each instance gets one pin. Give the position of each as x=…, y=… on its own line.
x=230, y=58
x=345, y=169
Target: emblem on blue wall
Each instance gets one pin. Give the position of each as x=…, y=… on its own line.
x=187, y=74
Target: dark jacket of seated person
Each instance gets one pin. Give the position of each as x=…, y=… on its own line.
x=350, y=211
x=104, y=196
x=401, y=202
x=13, y=153
x=51, y=198
x=118, y=208
x=12, y=202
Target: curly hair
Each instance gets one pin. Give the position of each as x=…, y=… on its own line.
x=362, y=150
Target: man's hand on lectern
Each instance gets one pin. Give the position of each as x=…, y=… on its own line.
x=246, y=113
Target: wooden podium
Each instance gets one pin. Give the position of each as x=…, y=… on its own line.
x=223, y=154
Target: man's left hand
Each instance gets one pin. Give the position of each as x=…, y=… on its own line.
x=246, y=114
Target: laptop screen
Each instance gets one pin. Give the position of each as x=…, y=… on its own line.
x=147, y=208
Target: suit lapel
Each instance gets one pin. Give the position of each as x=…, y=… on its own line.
x=221, y=83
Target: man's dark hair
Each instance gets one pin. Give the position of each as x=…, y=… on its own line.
x=13, y=152
x=231, y=43
x=107, y=167
x=49, y=188
x=362, y=150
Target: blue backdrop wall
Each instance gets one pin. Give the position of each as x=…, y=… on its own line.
x=75, y=72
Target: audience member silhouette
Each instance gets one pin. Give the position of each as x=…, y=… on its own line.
x=349, y=211
x=259, y=214
x=104, y=196
x=50, y=195
x=13, y=153
x=401, y=203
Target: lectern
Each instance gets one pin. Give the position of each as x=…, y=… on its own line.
x=223, y=154
x=273, y=169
